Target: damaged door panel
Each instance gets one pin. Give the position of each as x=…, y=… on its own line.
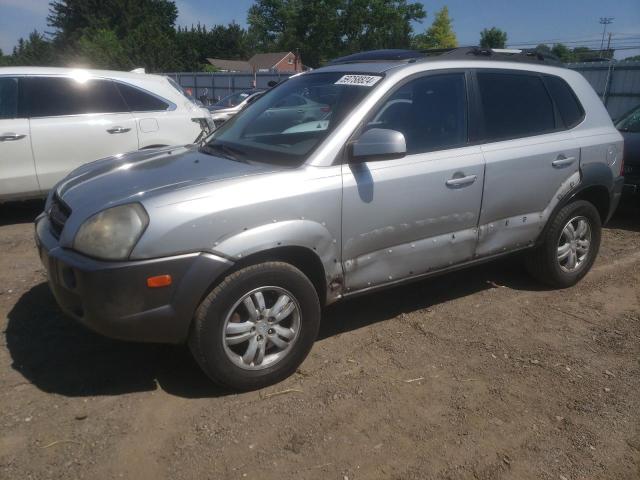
x=401, y=218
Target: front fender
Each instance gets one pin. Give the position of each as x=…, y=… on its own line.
x=289, y=233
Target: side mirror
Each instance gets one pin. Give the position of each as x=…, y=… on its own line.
x=378, y=144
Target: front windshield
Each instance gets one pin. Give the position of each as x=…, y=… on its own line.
x=630, y=122
x=287, y=123
x=233, y=99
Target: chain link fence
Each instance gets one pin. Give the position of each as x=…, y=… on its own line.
x=211, y=87
x=617, y=83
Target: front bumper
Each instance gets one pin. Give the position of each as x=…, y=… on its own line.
x=112, y=298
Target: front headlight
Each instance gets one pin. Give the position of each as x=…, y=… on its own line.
x=112, y=233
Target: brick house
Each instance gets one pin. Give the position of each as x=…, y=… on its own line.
x=281, y=62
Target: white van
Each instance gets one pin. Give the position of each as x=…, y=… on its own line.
x=54, y=119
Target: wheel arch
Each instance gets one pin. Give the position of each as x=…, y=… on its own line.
x=598, y=195
x=306, y=244
x=304, y=259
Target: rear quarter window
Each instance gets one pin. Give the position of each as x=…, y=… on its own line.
x=514, y=105
x=565, y=99
x=139, y=101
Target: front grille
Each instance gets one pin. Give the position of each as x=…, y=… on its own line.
x=58, y=214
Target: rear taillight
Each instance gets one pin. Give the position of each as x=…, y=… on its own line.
x=326, y=108
x=621, y=164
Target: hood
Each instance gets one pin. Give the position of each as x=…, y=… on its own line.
x=139, y=175
x=631, y=148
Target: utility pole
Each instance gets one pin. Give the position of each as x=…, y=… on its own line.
x=609, y=45
x=604, y=21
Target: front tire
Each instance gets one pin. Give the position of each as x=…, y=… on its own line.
x=569, y=247
x=257, y=326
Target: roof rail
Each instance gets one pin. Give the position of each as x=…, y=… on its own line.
x=390, y=54
x=517, y=55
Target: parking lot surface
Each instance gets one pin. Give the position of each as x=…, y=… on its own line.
x=481, y=374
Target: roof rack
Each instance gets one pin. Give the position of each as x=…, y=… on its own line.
x=458, y=53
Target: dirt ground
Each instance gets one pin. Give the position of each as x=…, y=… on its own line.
x=481, y=374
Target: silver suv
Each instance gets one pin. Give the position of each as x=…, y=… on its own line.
x=413, y=165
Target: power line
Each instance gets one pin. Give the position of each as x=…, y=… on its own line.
x=573, y=42
x=604, y=21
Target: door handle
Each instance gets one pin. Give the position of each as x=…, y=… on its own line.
x=563, y=161
x=11, y=137
x=118, y=130
x=461, y=181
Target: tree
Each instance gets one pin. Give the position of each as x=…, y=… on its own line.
x=440, y=34
x=35, y=50
x=71, y=18
x=101, y=49
x=197, y=43
x=635, y=58
x=141, y=32
x=563, y=52
x=493, y=38
x=322, y=29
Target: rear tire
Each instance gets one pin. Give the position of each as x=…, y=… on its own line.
x=569, y=247
x=241, y=336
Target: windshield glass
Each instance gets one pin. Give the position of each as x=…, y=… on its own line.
x=233, y=99
x=287, y=123
x=630, y=122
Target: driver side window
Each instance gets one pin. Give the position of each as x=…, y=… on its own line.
x=429, y=111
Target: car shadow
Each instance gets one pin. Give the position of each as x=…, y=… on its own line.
x=57, y=355
x=627, y=216
x=60, y=356
x=12, y=213
x=386, y=304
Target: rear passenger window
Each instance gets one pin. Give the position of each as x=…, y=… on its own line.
x=8, y=97
x=56, y=96
x=514, y=105
x=571, y=111
x=139, y=101
x=429, y=111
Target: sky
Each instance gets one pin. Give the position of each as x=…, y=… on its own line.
x=574, y=22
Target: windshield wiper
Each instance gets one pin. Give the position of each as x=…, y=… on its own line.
x=224, y=150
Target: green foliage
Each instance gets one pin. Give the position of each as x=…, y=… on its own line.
x=35, y=50
x=323, y=29
x=102, y=49
x=222, y=41
x=562, y=52
x=72, y=18
x=119, y=34
x=493, y=38
x=635, y=58
x=126, y=34
x=439, y=35
x=578, y=54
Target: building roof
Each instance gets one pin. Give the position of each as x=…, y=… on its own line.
x=230, y=65
x=267, y=61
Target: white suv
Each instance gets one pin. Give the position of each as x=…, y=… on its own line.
x=54, y=119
